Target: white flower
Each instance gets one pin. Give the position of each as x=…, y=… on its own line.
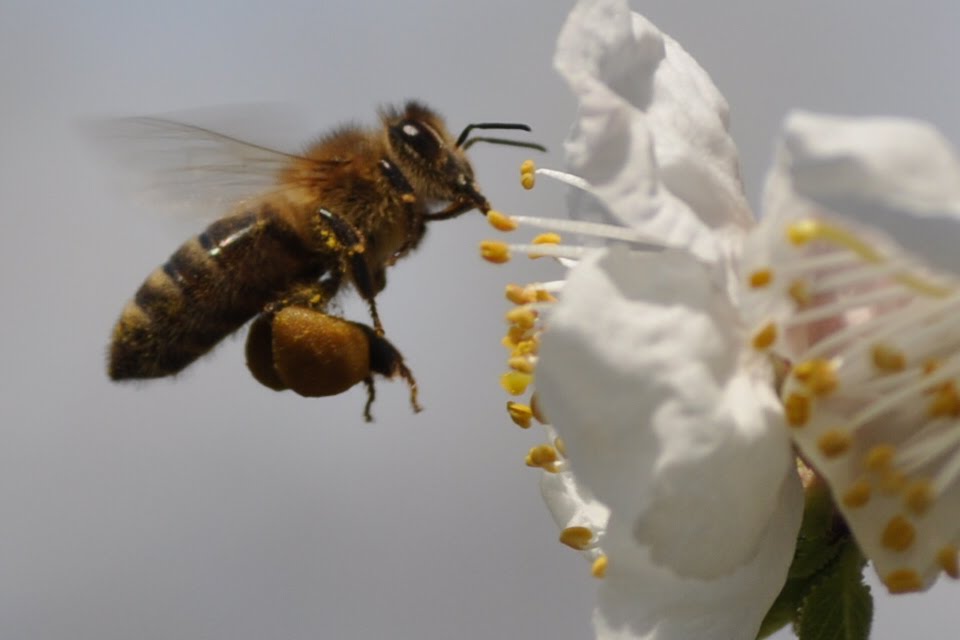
x=669, y=461
x=678, y=479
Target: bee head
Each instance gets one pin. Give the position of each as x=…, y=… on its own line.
x=429, y=156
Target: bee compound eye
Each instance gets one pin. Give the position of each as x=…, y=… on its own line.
x=420, y=139
x=310, y=352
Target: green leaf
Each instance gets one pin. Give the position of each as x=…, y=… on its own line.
x=784, y=608
x=839, y=606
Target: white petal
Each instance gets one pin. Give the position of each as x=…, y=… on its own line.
x=651, y=136
x=645, y=602
x=644, y=381
x=895, y=175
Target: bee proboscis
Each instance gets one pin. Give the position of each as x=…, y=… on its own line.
x=339, y=214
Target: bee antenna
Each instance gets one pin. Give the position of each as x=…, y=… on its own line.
x=489, y=125
x=505, y=141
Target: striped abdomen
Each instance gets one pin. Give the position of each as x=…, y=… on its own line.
x=208, y=289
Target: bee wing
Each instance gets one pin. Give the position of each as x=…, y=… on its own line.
x=190, y=166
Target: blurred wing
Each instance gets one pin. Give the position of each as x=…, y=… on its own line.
x=191, y=166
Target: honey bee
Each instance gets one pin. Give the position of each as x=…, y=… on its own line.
x=338, y=215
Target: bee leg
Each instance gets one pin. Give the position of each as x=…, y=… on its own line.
x=349, y=239
x=371, y=396
x=386, y=360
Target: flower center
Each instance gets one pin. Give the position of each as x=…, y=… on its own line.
x=872, y=396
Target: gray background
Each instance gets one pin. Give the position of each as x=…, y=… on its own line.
x=211, y=508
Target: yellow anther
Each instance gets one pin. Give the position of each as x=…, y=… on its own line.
x=495, y=252
x=888, y=359
x=521, y=414
x=521, y=364
x=599, y=568
x=931, y=365
x=560, y=445
x=919, y=496
x=819, y=375
x=526, y=348
x=527, y=166
x=542, y=456
x=547, y=238
x=520, y=295
x=892, y=482
x=522, y=317
x=501, y=221
x=545, y=296
x=945, y=402
x=516, y=336
x=578, y=538
x=903, y=581
x=537, y=411
x=764, y=339
x=803, y=231
x=880, y=457
x=528, y=180
x=947, y=559
x=834, y=443
x=799, y=291
x=515, y=383
x=797, y=409
x=761, y=278
x=898, y=534
x=857, y=495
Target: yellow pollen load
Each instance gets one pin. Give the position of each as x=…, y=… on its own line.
x=520, y=295
x=409, y=198
x=898, y=535
x=919, y=496
x=818, y=375
x=522, y=317
x=521, y=414
x=947, y=559
x=799, y=292
x=599, y=568
x=888, y=359
x=500, y=221
x=515, y=383
x=542, y=456
x=761, y=278
x=579, y=538
x=765, y=338
x=494, y=251
x=880, y=457
x=528, y=176
x=521, y=364
x=857, y=495
x=797, y=409
x=834, y=443
x=945, y=402
x=903, y=581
